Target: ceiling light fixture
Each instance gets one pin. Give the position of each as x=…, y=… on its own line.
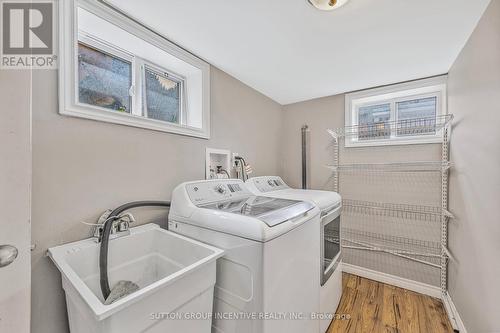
x=327, y=4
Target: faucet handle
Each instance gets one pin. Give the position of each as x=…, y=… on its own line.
x=123, y=222
x=119, y=225
x=98, y=227
x=104, y=217
x=129, y=217
x=123, y=226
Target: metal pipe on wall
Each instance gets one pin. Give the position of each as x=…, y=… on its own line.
x=304, y=131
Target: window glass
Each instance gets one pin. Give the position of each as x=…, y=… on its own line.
x=103, y=80
x=162, y=93
x=373, y=122
x=416, y=116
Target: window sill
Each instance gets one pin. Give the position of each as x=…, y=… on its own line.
x=115, y=117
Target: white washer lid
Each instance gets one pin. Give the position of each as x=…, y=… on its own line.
x=272, y=211
x=325, y=200
x=189, y=198
x=274, y=186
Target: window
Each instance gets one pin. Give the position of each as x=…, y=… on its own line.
x=400, y=114
x=103, y=80
x=373, y=120
x=163, y=96
x=115, y=70
x=417, y=114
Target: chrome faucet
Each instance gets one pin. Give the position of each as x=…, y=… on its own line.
x=120, y=227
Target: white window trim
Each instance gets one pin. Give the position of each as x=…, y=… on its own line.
x=432, y=87
x=68, y=80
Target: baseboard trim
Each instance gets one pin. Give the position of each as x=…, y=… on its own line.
x=397, y=281
x=453, y=314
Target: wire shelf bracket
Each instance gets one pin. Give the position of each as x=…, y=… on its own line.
x=448, y=214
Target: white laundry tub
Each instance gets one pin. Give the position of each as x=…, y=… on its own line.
x=176, y=276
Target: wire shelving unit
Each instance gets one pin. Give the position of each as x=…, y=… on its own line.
x=424, y=252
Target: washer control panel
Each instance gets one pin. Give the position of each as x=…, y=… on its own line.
x=210, y=191
x=269, y=183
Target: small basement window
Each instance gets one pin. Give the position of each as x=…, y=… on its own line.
x=399, y=114
x=163, y=98
x=117, y=71
x=104, y=80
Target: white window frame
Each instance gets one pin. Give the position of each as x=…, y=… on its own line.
x=432, y=87
x=68, y=72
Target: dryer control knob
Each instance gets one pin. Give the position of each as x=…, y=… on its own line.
x=220, y=189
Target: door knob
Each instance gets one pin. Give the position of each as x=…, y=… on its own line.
x=8, y=254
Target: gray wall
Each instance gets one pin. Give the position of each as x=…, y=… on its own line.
x=319, y=114
x=82, y=167
x=474, y=98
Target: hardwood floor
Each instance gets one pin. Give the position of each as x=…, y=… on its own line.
x=377, y=307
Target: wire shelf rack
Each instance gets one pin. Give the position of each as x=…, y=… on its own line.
x=435, y=254
x=393, y=242
x=424, y=252
x=404, y=127
x=423, y=166
x=402, y=211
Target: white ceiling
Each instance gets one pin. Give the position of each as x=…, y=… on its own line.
x=292, y=52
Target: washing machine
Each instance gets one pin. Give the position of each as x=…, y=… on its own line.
x=330, y=205
x=266, y=281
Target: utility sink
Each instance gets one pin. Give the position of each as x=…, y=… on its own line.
x=175, y=275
